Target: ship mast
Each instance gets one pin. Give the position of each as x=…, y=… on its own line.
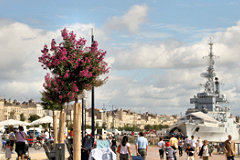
x=210, y=99
x=210, y=74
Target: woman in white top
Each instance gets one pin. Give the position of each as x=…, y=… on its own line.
x=124, y=149
x=199, y=144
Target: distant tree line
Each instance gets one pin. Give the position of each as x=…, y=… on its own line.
x=133, y=128
x=129, y=128
x=155, y=127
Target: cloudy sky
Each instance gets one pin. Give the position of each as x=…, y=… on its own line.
x=154, y=48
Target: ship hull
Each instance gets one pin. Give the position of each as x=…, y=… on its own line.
x=210, y=133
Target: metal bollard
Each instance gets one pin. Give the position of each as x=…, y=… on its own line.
x=60, y=151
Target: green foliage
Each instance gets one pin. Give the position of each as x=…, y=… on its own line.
x=88, y=126
x=48, y=104
x=155, y=127
x=45, y=125
x=12, y=115
x=97, y=125
x=22, y=117
x=104, y=125
x=33, y=117
x=129, y=128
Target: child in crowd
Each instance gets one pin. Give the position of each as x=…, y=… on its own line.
x=169, y=151
x=8, y=150
x=190, y=152
x=180, y=146
x=3, y=143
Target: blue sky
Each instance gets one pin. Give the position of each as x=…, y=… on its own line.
x=154, y=47
x=174, y=17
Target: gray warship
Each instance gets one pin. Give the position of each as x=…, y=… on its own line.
x=210, y=119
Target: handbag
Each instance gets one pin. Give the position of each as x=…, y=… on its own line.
x=176, y=145
x=118, y=149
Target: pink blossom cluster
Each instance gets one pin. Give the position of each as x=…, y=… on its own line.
x=74, y=67
x=55, y=91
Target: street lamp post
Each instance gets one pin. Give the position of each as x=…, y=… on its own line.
x=84, y=94
x=113, y=118
x=93, y=120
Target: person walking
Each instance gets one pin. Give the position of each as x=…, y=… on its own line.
x=161, y=145
x=124, y=149
x=170, y=152
x=87, y=145
x=193, y=143
x=8, y=150
x=190, y=152
x=71, y=133
x=46, y=135
x=229, y=148
x=113, y=144
x=20, y=143
x=12, y=137
x=174, y=144
x=141, y=145
x=180, y=146
x=205, y=151
x=199, y=144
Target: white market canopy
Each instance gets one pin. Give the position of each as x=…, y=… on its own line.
x=42, y=120
x=13, y=122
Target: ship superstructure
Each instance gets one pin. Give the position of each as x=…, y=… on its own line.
x=210, y=118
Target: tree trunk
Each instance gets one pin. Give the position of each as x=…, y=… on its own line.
x=77, y=131
x=59, y=128
x=62, y=126
x=55, y=129
x=34, y=133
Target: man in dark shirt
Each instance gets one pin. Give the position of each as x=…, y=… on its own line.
x=114, y=144
x=87, y=146
x=190, y=152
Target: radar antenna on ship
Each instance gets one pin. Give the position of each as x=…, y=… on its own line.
x=209, y=74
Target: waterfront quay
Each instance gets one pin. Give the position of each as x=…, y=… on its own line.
x=153, y=154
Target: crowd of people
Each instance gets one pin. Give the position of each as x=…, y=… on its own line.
x=192, y=148
x=18, y=139
x=169, y=149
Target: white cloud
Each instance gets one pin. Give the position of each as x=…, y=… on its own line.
x=21, y=73
x=168, y=91
x=130, y=21
x=165, y=91
x=174, y=54
x=21, y=90
x=160, y=55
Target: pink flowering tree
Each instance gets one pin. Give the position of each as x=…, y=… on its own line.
x=54, y=90
x=74, y=66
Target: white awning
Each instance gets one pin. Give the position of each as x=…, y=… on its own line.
x=13, y=122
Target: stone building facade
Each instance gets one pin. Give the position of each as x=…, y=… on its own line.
x=120, y=118
x=8, y=107
x=115, y=118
